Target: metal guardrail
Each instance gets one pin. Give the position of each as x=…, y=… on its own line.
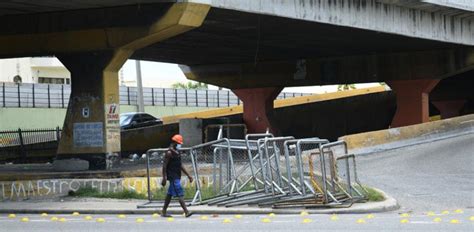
x=57, y=96
x=21, y=137
x=17, y=144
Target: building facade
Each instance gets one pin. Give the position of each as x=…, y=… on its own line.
x=42, y=70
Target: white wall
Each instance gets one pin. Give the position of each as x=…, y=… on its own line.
x=31, y=68
x=16, y=66
x=52, y=72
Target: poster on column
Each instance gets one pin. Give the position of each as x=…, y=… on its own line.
x=112, y=127
x=88, y=134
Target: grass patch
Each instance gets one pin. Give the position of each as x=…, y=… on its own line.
x=159, y=194
x=189, y=191
x=91, y=192
x=372, y=194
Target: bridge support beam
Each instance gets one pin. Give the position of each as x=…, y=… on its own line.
x=258, y=108
x=449, y=108
x=412, y=101
x=91, y=129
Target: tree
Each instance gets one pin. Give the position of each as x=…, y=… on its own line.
x=346, y=87
x=189, y=85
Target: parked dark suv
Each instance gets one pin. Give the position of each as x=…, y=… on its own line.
x=137, y=120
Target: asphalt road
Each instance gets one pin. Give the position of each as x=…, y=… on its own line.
x=379, y=222
x=433, y=182
x=431, y=176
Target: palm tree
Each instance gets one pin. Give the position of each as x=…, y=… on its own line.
x=346, y=87
x=189, y=85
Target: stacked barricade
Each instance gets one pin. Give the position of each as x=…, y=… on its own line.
x=267, y=171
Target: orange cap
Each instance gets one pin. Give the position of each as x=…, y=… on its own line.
x=177, y=138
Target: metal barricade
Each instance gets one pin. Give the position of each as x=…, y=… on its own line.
x=349, y=174
x=300, y=173
x=223, y=170
x=279, y=172
x=275, y=185
x=346, y=173
x=247, y=174
x=334, y=190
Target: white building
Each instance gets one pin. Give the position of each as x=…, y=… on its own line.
x=34, y=70
x=50, y=70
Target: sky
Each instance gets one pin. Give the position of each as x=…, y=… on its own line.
x=156, y=74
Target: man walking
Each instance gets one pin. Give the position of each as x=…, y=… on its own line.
x=172, y=168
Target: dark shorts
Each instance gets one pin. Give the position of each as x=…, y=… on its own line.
x=175, y=188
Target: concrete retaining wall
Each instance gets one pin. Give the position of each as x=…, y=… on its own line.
x=334, y=118
x=409, y=135
x=35, y=118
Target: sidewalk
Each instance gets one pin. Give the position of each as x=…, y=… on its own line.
x=111, y=206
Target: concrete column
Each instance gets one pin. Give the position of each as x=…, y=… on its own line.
x=412, y=101
x=258, y=108
x=450, y=108
x=91, y=128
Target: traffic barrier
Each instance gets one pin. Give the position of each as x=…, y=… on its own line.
x=268, y=171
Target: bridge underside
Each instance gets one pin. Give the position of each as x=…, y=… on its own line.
x=229, y=36
x=247, y=50
x=254, y=54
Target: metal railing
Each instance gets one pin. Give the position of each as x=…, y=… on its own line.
x=57, y=96
x=21, y=137
x=279, y=172
x=19, y=144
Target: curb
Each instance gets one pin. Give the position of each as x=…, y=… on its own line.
x=389, y=204
x=394, y=138
x=406, y=143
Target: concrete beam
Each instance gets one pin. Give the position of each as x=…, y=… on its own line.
x=457, y=27
x=337, y=70
x=434, y=5
x=179, y=18
x=466, y=5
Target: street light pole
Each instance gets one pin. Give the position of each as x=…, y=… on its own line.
x=141, y=107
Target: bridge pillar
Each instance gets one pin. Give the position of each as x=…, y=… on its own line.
x=412, y=101
x=91, y=128
x=449, y=108
x=258, y=108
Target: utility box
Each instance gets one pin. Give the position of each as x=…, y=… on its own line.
x=192, y=129
x=197, y=130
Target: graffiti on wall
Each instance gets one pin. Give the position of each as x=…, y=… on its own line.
x=28, y=189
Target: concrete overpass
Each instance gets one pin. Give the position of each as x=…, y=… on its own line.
x=255, y=47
